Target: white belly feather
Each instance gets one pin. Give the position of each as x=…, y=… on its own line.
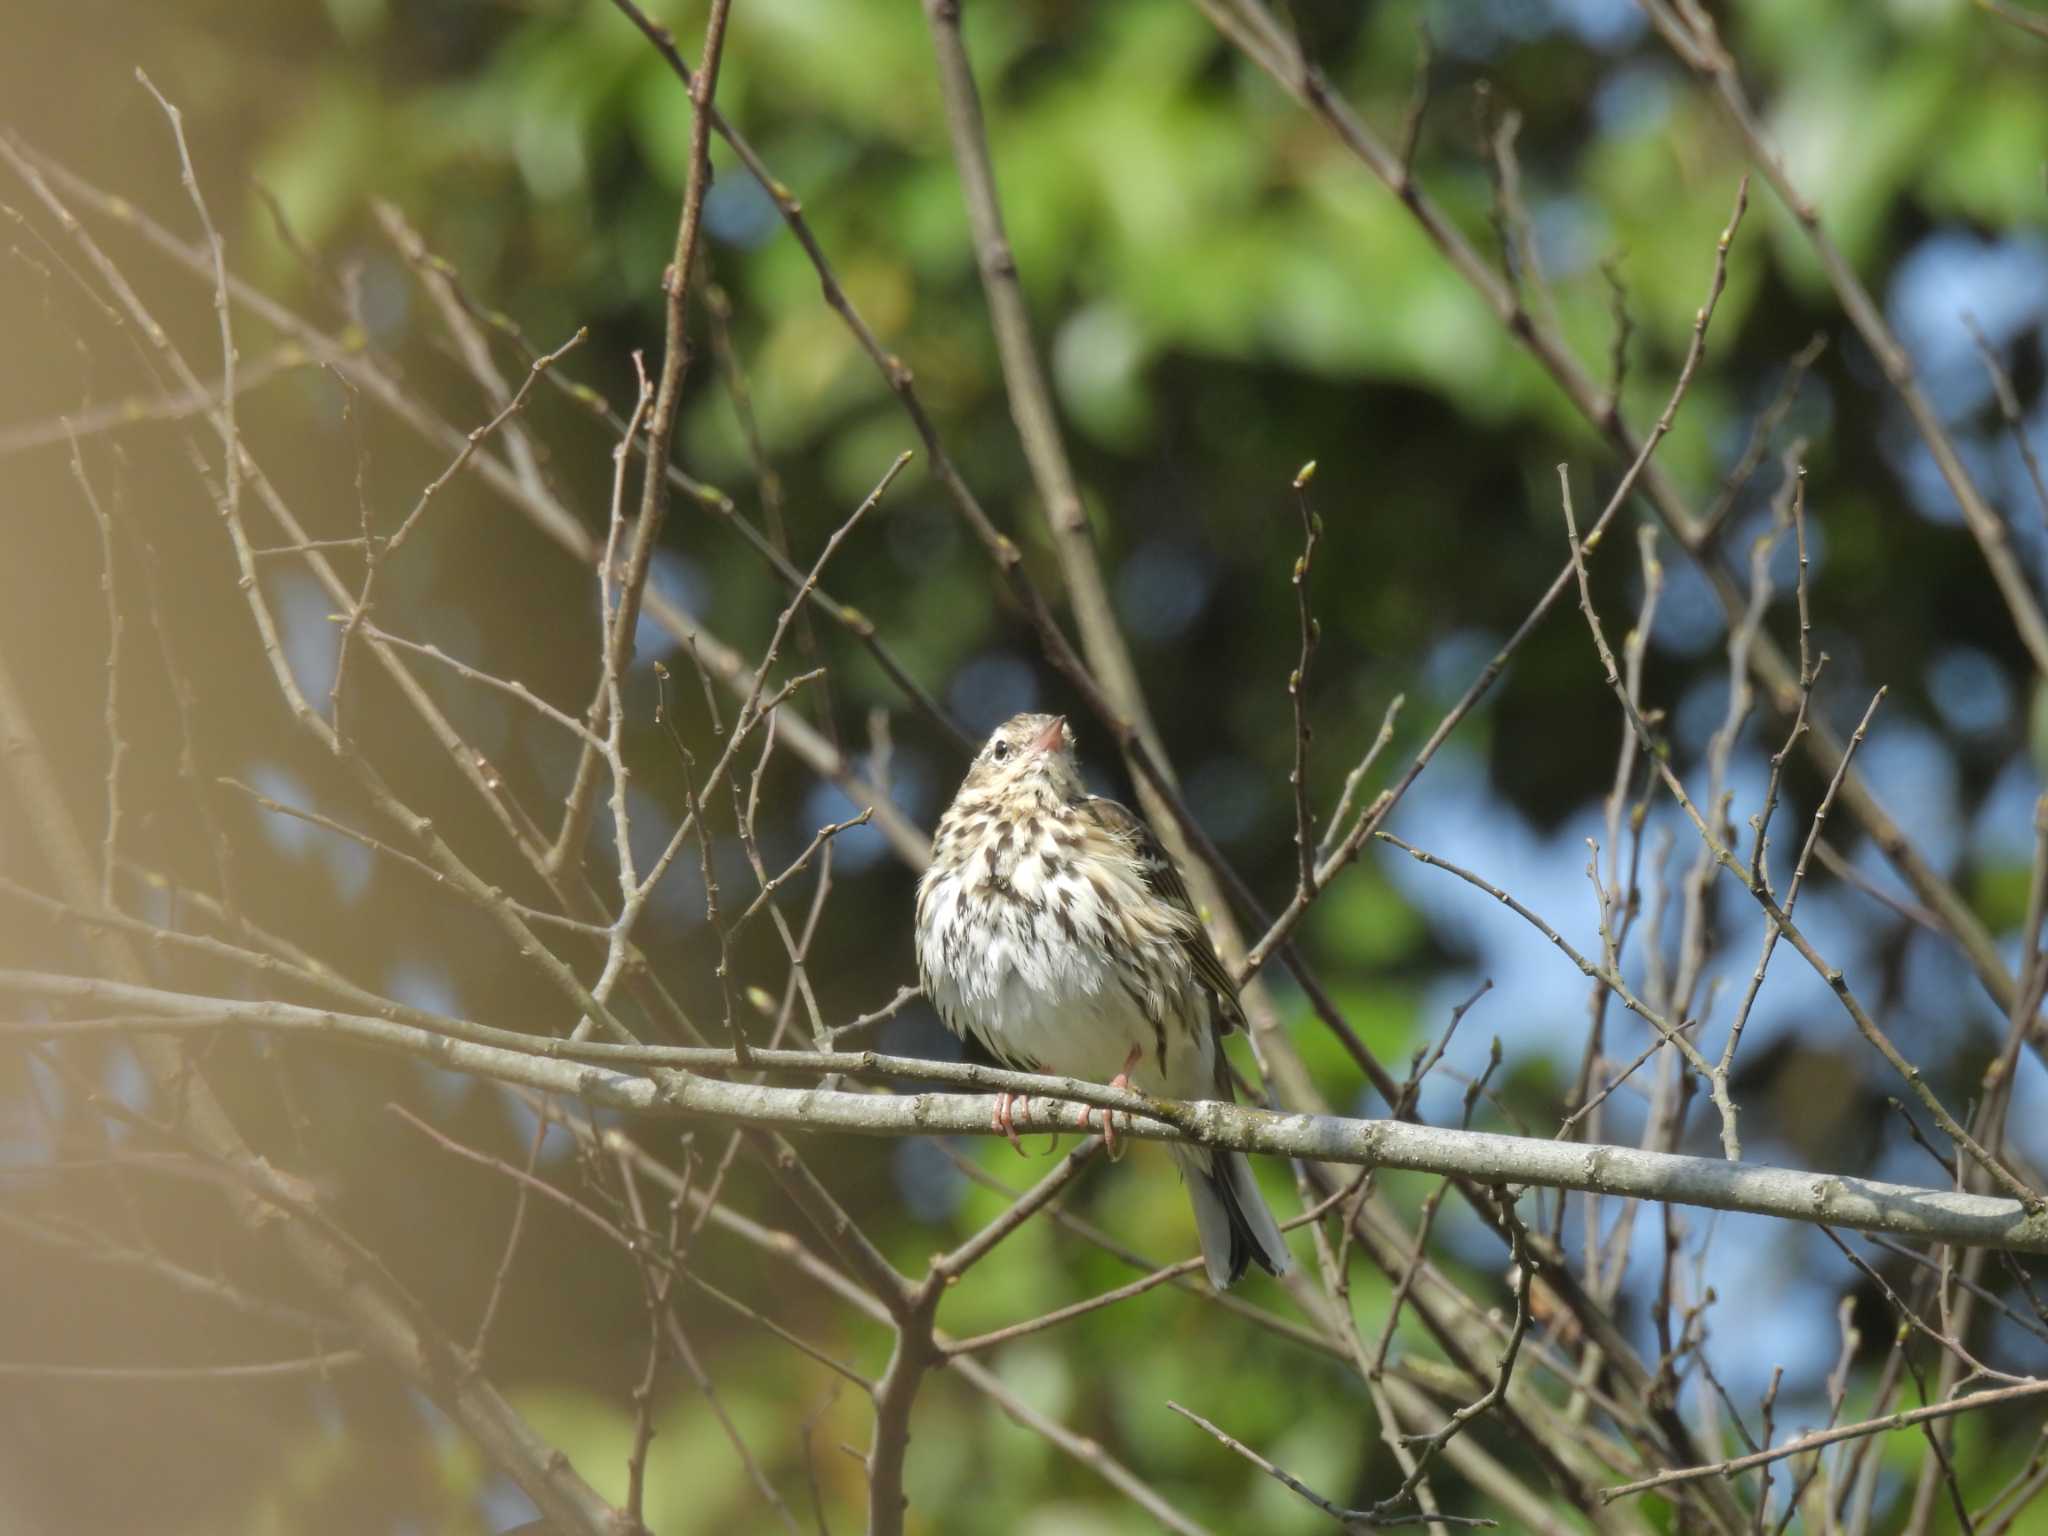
x=1039, y=961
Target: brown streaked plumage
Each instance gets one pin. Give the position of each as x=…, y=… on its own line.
x=1054, y=930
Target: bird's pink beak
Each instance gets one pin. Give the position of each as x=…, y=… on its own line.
x=1053, y=738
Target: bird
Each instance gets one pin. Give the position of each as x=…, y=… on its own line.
x=1053, y=929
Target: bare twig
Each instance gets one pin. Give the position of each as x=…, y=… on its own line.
x=1799, y=1446
x=503, y=1273
x=1357, y=775
x=1761, y=431
x=2026, y=21
x=661, y=426
x=1297, y=684
x=117, y=746
x=2002, y=385
x=174, y=405
x=1433, y=1444
x=481, y=435
x=1351, y=1519
x=267, y=1370
x=1671, y=1034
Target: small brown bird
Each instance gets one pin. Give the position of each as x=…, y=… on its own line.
x=1053, y=928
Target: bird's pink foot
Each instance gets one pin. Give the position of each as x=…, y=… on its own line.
x=1121, y=1080
x=1004, y=1121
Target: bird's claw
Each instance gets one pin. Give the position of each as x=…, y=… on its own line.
x=1002, y=1120
x=1109, y=1142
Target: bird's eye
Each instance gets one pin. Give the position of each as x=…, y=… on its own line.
x=1000, y=751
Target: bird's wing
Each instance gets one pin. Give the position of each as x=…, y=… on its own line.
x=1165, y=882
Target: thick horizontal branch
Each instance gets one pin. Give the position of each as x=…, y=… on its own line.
x=683, y=1091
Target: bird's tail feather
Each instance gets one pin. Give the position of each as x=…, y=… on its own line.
x=1231, y=1216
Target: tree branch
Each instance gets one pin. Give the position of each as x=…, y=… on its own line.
x=1866, y=1205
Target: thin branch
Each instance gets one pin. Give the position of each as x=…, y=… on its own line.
x=375, y=845
x=224, y=415
x=1771, y=931
x=1059, y=1316
x=1432, y=1445
x=302, y=712
x=784, y=1247
x=2007, y=396
x=1905, y=1419
x=753, y=708
x=1019, y=1211
x=174, y=405
x=1521, y=257
x=506, y=685
x=267, y=1370
x=661, y=420
x=1850, y=875
x=1624, y=329
x=444, y=284
x=1910, y=1318
x=117, y=746
x=1351, y=1519
x=1297, y=685
x=1357, y=775
x=819, y=839
x=2026, y=21
x=517, y=1229
x=1761, y=431
x=1670, y=1034
x=95, y=1248
x=1404, y=1286
x=479, y=436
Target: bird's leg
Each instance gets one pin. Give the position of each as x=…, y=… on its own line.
x=1002, y=1121
x=1123, y=1077
x=1121, y=1080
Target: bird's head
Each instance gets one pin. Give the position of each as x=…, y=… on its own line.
x=1028, y=755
